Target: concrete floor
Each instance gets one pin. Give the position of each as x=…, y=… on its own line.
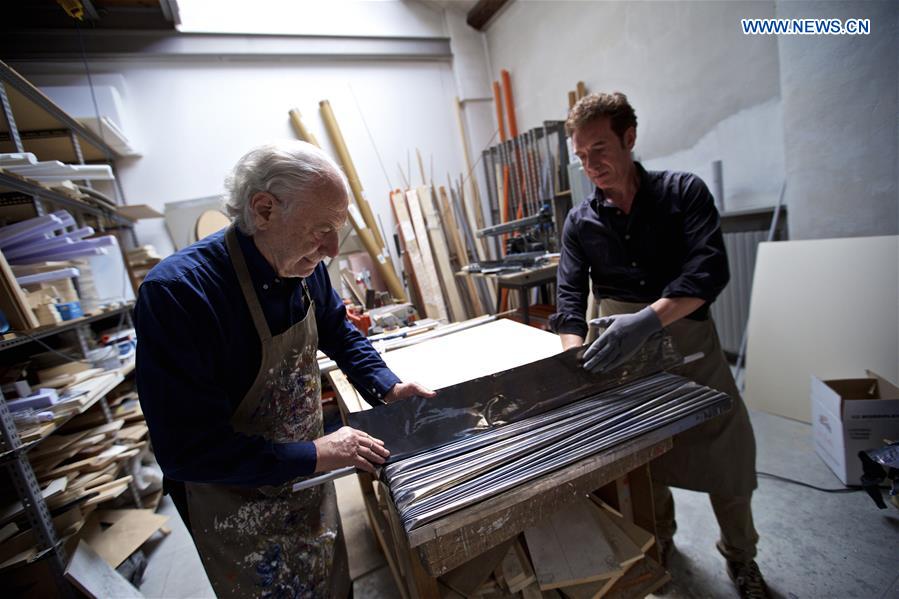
x=813, y=544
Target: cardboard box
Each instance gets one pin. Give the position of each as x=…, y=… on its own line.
x=852, y=415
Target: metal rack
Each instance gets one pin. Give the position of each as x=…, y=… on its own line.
x=78, y=144
x=52, y=131
x=534, y=167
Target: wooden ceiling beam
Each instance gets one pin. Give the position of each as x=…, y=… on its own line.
x=482, y=12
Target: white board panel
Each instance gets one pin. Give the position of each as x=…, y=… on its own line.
x=828, y=307
x=472, y=353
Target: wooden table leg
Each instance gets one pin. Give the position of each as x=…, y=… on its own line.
x=418, y=583
x=524, y=306
x=644, y=514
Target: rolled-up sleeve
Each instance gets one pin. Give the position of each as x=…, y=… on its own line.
x=704, y=271
x=572, y=284
x=185, y=404
x=343, y=343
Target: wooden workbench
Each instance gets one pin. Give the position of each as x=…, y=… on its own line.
x=620, y=476
x=522, y=282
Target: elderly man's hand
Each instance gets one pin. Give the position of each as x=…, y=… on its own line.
x=404, y=390
x=349, y=447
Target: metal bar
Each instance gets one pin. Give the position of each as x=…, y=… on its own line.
x=10, y=119
x=26, y=187
x=29, y=492
x=82, y=332
x=514, y=225
x=323, y=478
x=79, y=155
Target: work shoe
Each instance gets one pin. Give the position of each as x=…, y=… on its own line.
x=748, y=579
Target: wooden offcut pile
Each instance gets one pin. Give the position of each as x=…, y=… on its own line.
x=585, y=551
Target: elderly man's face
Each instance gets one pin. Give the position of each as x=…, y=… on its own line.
x=295, y=236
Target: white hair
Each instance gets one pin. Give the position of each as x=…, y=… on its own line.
x=288, y=169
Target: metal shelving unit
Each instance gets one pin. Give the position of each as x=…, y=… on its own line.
x=13, y=183
x=68, y=325
x=51, y=134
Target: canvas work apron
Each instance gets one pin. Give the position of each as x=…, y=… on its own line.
x=718, y=456
x=270, y=541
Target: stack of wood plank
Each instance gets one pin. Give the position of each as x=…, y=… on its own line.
x=78, y=469
x=437, y=241
x=141, y=260
x=78, y=392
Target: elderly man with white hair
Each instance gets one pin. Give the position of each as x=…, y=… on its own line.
x=230, y=387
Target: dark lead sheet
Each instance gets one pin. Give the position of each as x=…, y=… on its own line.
x=418, y=424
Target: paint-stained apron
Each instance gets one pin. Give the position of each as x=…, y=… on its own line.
x=717, y=456
x=270, y=541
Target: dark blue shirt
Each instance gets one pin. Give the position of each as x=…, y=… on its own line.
x=669, y=245
x=198, y=355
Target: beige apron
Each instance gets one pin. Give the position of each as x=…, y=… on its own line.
x=717, y=456
x=271, y=542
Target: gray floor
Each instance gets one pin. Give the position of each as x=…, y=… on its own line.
x=813, y=544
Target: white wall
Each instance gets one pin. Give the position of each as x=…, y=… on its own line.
x=818, y=112
x=840, y=105
x=701, y=89
x=195, y=119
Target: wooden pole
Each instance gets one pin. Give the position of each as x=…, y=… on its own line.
x=421, y=167
x=362, y=219
x=302, y=132
x=510, y=106
x=381, y=262
x=581, y=90
x=350, y=170
x=474, y=192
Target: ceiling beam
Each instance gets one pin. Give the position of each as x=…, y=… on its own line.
x=482, y=12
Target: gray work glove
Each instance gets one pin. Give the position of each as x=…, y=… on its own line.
x=624, y=335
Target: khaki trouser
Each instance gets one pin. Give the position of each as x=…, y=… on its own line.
x=716, y=457
x=734, y=514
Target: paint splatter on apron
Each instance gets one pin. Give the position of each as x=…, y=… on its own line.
x=717, y=456
x=270, y=541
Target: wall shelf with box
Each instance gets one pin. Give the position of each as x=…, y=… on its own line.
x=71, y=428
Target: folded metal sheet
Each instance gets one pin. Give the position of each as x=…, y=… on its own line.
x=418, y=424
x=437, y=482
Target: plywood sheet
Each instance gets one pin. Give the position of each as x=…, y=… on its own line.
x=431, y=221
x=95, y=578
x=116, y=534
x=825, y=307
x=469, y=354
x=425, y=278
x=570, y=548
